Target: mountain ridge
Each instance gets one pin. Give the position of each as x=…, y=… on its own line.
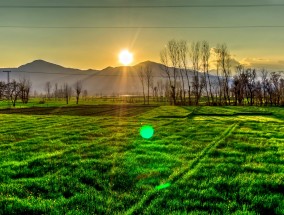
x=107, y=81
x=42, y=62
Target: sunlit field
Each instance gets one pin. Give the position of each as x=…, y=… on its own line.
x=200, y=160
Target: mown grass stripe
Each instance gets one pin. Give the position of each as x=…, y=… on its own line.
x=204, y=153
x=25, y=162
x=147, y=198
x=195, y=164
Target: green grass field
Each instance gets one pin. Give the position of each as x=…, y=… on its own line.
x=201, y=160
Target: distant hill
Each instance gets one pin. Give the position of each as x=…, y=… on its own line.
x=111, y=80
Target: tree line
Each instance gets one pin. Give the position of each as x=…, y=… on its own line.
x=21, y=90
x=16, y=90
x=64, y=91
x=186, y=69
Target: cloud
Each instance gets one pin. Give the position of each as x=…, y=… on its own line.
x=266, y=63
x=234, y=62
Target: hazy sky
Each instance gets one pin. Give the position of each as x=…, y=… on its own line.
x=98, y=48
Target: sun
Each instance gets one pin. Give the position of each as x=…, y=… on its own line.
x=125, y=57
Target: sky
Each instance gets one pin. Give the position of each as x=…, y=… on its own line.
x=27, y=33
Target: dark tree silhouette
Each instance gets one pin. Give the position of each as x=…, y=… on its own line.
x=67, y=91
x=25, y=88
x=78, y=86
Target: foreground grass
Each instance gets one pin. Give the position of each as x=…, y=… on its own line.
x=242, y=174
x=59, y=164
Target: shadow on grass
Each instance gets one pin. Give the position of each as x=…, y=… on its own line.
x=83, y=110
x=191, y=115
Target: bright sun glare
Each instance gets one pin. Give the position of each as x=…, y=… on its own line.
x=125, y=57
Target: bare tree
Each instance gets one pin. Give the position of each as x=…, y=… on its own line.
x=55, y=91
x=205, y=53
x=2, y=89
x=25, y=88
x=160, y=89
x=281, y=92
x=182, y=65
x=224, y=63
x=183, y=53
x=197, y=83
x=78, y=89
x=264, y=74
x=168, y=92
x=258, y=93
x=250, y=82
x=169, y=59
x=67, y=90
x=269, y=89
x=166, y=69
x=238, y=86
x=149, y=80
x=48, y=89
x=12, y=92
x=141, y=76
x=275, y=80
x=219, y=84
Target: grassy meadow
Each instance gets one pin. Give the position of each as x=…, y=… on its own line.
x=200, y=160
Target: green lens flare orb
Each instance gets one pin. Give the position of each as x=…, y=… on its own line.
x=147, y=131
x=163, y=186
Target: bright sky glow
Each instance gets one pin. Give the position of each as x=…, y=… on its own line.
x=62, y=38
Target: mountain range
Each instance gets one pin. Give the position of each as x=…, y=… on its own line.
x=108, y=81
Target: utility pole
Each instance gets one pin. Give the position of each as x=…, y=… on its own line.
x=8, y=77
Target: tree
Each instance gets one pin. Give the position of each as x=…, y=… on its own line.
x=12, y=92
x=55, y=91
x=141, y=76
x=205, y=53
x=197, y=83
x=149, y=80
x=183, y=53
x=182, y=65
x=169, y=58
x=275, y=80
x=238, y=86
x=282, y=92
x=160, y=89
x=48, y=89
x=145, y=75
x=269, y=90
x=2, y=89
x=258, y=93
x=264, y=74
x=251, y=75
x=78, y=89
x=67, y=90
x=25, y=88
x=224, y=63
